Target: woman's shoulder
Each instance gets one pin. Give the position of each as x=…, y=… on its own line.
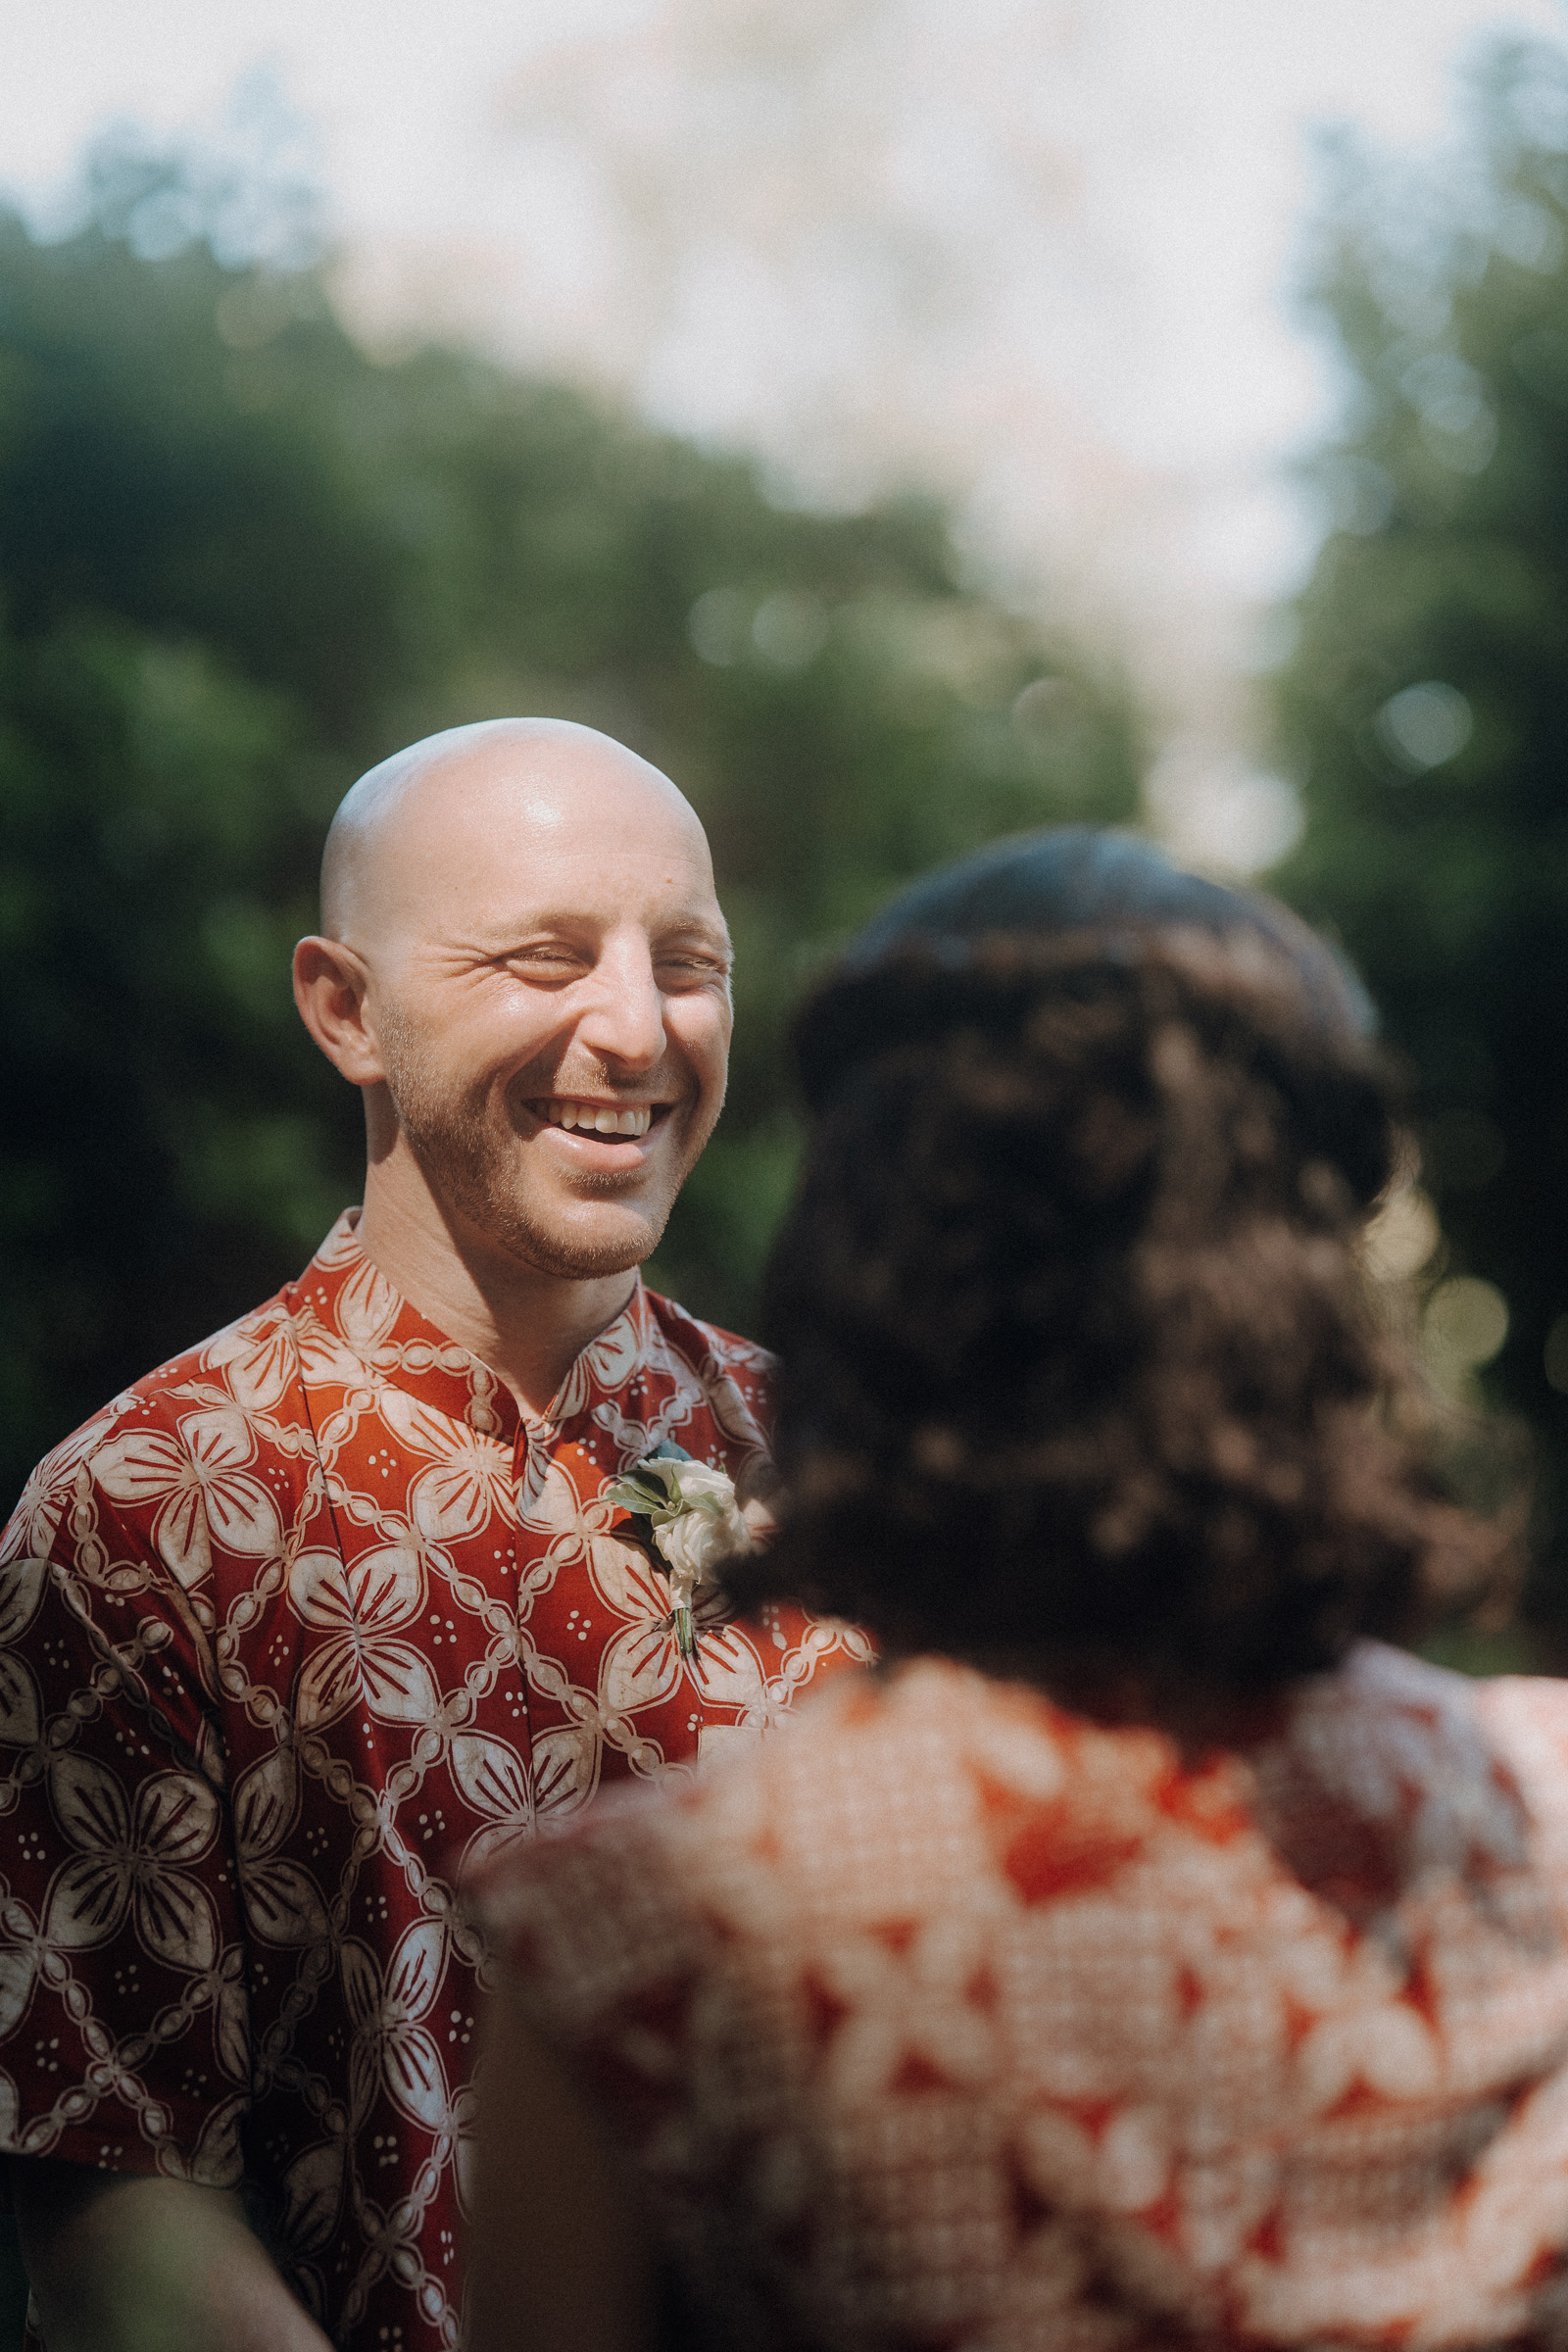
x=888, y=1794
x=909, y=1791
x=936, y=1783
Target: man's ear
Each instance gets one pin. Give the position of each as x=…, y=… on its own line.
x=331, y=986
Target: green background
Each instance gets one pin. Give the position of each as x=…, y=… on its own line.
x=240, y=561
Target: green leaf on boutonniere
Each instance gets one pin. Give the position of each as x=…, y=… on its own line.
x=694, y=1524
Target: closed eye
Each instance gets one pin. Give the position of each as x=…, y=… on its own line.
x=707, y=968
x=553, y=963
x=556, y=962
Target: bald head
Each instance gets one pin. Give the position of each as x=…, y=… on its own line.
x=436, y=823
x=524, y=967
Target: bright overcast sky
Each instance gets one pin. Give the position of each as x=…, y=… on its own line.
x=1036, y=252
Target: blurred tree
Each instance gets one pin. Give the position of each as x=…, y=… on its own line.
x=239, y=562
x=1425, y=708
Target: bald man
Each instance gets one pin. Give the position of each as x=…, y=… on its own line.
x=319, y=1615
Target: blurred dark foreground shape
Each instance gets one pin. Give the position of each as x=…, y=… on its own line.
x=1151, y=1952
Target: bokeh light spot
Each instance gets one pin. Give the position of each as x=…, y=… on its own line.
x=1425, y=726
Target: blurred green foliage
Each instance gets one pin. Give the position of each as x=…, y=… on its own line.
x=1425, y=708
x=240, y=561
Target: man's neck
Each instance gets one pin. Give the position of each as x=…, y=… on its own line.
x=529, y=1326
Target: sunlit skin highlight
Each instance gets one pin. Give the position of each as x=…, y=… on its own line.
x=520, y=942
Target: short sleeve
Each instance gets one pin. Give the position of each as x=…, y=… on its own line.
x=124, y=2026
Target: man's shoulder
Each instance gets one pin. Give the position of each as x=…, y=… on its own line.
x=734, y=1375
x=246, y=1367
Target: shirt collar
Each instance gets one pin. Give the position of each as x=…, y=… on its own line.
x=347, y=1309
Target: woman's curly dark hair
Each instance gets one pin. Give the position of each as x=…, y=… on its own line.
x=1078, y=1355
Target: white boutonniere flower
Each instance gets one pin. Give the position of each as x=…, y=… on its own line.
x=690, y=1520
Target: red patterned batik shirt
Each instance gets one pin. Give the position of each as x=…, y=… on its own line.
x=956, y=2020
x=306, y=1624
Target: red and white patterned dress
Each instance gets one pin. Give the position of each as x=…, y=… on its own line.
x=303, y=1625
x=949, y=2019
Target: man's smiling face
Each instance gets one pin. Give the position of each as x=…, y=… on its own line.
x=549, y=986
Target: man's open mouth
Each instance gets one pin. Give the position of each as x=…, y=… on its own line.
x=598, y=1118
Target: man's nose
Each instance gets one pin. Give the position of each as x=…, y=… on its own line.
x=624, y=1019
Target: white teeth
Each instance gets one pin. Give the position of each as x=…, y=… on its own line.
x=589, y=1119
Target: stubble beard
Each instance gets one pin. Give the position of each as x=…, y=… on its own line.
x=467, y=1151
